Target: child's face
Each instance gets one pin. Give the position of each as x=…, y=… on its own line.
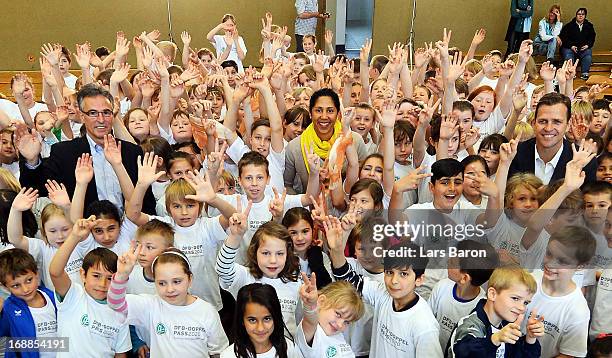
x=217, y=103
x=420, y=95
x=138, y=124
x=447, y=191
x=271, y=256
x=355, y=95
x=253, y=179
x=172, y=283
x=224, y=188
x=260, y=140
x=308, y=45
x=7, y=150
x=363, y=122
x=151, y=246
x=468, y=75
x=510, y=303
x=491, y=156
x=298, y=65
x=535, y=98
x=407, y=112
x=64, y=64
x=57, y=229
x=524, y=203
x=302, y=100
x=44, y=122
x=378, y=89
x=196, y=160
x=206, y=59
x=184, y=212
x=23, y=286
x=258, y=323
x=363, y=201
x=581, y=96
x=453, y=144
x=364, y=253
x=293, y=129
x=179, y=168
x=301, y=235
x=474, y=169
x=596, y=208
x=231, y=75
x=372, y=169
x=559, y=262
x=333, y=320
x=181, y=129
x=403, y=149
x=600, y=120
x=465, y=119
x=401, y=283
x=608, y=228
x=106, y=232
x=97, y=281
x=483, y=105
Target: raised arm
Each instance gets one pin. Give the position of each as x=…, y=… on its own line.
x=519, y=101
x=505, y=104
x=479, y=37
x=207, y=195
x=388, y=146
x=83, y=57
x=19, y=87
x=260, y=82
x=448, y=127
x=364, y=70
x=24, y=201
x=186, y=38
x=309, y=297
x=167, y=105
x=210, y=36
x=83, y=174
x=112, y=153
x=226, y=258
x=146, y=177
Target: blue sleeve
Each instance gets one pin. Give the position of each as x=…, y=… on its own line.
x=136, y=341
x=523, y=350
x=470, y=346
x=4, y=325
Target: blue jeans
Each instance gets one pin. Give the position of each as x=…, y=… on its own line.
x=548, y=48
x=585, y=56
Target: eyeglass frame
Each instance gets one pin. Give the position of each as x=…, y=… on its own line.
x=98, y=113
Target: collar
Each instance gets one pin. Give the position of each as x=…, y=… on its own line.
x=93, y=146
x=554, y=159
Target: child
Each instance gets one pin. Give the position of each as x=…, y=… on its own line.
x=597, y=200
x=602, y=320
x=178, y=164
x=195, y=235
x=493, y=329
x=363, y=124
x=183, y=324
x=30, y=311
x=559, y=300
x=258, y=325
x=295, y=120
x=475, y=167
x=44, y=123
x=312, y=259
x=456, y=296
x=601, y=116
x=161, y=148
x=604, y=167
x=83, y=316
x=270, y=260
x=326, y=315
x=489, y=150
x=230, y=46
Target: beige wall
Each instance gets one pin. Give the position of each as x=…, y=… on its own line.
x=464, y=17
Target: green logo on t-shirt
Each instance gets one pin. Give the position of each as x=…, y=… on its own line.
x=331, y=352
x=85, y=320
x=160, y=328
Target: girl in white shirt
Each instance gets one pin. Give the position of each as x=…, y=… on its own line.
x=259, y=330
x=230, y=46
x=179, y=323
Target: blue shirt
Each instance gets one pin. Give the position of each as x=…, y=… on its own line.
x=107, y=183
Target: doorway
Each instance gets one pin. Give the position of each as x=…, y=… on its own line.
x=359, y=15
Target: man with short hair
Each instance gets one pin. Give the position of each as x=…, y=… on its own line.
x=578, y=38
x=96, y=111
x=547, y=153
x=306, y=20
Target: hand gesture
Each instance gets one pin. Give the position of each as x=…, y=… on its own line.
x=585, y=153
x=319, y=64
x=535, y=326
x=571, y=69
x=519, y=99
x=120, y=74
x=443, y=44
x=421, y=57
x=147, y=57
x=147, y=169
x=28, y=144
x=560, y=76
x=525, y=50
x=25, y=199
x=51, y=53
x=329, y=36
x=203, y=187
x=127, y=261
x=411, y=180
x=19, y=84
x=471, y=136
x=351, y=218
x=485, y=185
x=57, y=193
x=84, y=169
x=314, y=161
x=82, y=227
x=238, y=222
x=364, y=52
x=308, y=291
x=112, y=150
x=507, y=151
x=547, y=71
x=388, y=115
x=61, y=113
x=509, y=334
x=83, y=55
x=456, y=67
x=578, y=127
x=277, y=204
x=122, y=45
x=596, y=89
x=506, y=68
x=177, y=86
x=334, y=233
x=186, y=38
x=448, y=127
x=260, y=82
x=479, y=37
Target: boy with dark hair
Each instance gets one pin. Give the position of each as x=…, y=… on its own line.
x=601, y=117
x=456, y=296
x=493, y=328
x=377, y=65
x=30, y=311
x=231, y=70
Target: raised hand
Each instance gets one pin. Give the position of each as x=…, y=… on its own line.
x=238, y=222
x=202, y=185
x=471, y=136
x=83, y=55
x=479, y=37
x=525, y=50
x=547, y=71
x=122, y=45
x=388, y=115
x=25, y=199
x=277, y=204
x=19, y=84
x=506, y=68
x=510, y=333
x=411, y=180
x=334, y=233
x=507, y=151
x=51, y=53
x=318, y=212
x=186, y=38
x=443, y=44
x=120, y=74
x=535, y=327
x=57, y=193
x=585, y=152
x=82, y=227
x=571, y=69
x=519, y=99
x=314, y=161
x=364, y=51
x=319, y=64
x=84, y=169
x=147, y=168
x=308, y=291
x=127, y=261
x=579, y=127
x=448, y=127
x=484, y=185
x=112, y=150
x=177, y=86
x=260, y=82
x=27, y=143
x=421, y=57
x=154, y=35
x=456, y=67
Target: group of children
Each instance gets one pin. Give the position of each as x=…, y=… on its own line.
x=267, y=236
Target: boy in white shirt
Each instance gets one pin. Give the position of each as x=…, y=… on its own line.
x=93, y=329
x=597, y=200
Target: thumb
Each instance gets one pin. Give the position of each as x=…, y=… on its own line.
x=519, y=320
x=533, y=315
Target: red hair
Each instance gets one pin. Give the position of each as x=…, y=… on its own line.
x=481, y=89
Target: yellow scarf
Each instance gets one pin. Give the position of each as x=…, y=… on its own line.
x=321, y=148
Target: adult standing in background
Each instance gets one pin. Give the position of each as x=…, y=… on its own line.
x=578, y=38
x=306, y=20
x=549, y=28
x=520, y=24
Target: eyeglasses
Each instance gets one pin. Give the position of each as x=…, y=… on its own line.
x=107, y=113
x=580, y=13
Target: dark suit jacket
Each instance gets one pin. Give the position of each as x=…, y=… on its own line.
x=62, y=161
x=525, y=161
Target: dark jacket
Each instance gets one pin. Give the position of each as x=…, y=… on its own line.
x=472, y=338
x=525, y=161
x=572, y=36
x=517, y=18
x=62, y=161
x=16, y=321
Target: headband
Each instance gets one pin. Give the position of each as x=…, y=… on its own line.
x=179, y=254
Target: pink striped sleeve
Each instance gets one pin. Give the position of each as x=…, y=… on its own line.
x=116, y=296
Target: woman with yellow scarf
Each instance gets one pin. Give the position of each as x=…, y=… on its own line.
x=320, y=135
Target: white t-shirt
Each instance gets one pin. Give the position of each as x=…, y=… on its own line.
x=424, y=193
x=220, y=46
x=178, y=331
x=410, y=333
x=323, y=345
x=533, y=258
x=506, y=235
x=93, y=328
x=602, y=311
x=70, y=81
x=292, y=352
x=603, y=253
x=566, y=321
x=200, y=243
x=12, y=109
x=494, y=124
x=45, y=322
x=399, y=171
x=43, y=254
x=488, y=82
x=448, y=308
x=127, y=232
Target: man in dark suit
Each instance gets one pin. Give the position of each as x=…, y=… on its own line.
x=96, y=111
x=547, y=154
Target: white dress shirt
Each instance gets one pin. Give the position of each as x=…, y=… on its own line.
x=543, y=170
x=107, y=183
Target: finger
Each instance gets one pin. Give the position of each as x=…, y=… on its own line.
x=248, y=208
